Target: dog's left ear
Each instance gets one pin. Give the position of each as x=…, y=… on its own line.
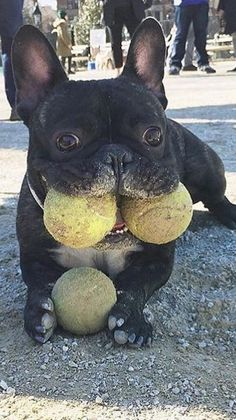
x=36, y=69
x=146, y=57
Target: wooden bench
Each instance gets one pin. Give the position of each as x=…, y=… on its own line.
x=80, y=61
x=219, y=45
x=78, y=58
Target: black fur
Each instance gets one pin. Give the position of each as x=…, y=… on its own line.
x=109, y=117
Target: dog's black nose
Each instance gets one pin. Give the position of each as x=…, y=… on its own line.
x=117, y=156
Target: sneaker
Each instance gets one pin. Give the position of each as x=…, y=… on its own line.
x=232, y=70
x=173, y=70
x=207, y=69
x=14, y=116
x=191, y=67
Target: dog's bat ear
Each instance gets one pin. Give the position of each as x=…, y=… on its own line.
x=146, y=57
x=36, y=69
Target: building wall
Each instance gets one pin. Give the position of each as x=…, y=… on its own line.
x=71, y=6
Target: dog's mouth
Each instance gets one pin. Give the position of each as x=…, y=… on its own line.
x=119, y=237
x=120, y=227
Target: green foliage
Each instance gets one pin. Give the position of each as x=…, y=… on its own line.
x=89, y=18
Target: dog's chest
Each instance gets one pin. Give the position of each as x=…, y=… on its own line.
x=111, y=262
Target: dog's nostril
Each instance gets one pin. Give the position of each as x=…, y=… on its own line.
x=119, y=158
x=118, y=161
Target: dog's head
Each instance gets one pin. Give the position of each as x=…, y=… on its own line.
x=96, y=137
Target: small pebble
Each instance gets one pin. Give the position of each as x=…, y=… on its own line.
x=202, y=344
x=3, y=385
x=72, y=364
x=99, y=400
x=176, y=390
x=231, y=404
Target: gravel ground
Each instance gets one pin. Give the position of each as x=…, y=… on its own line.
x=190, y=371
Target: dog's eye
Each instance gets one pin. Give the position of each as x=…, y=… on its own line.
x=67, y=142
x=152, y=136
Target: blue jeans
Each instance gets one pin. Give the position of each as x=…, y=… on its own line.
x=184, y=15
x=7, y=70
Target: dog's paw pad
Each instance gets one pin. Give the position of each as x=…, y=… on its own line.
x=48, y=321
x=48, y=305
x=131, y=327
x=120, y=337
x=114, y=322
x=40, y=319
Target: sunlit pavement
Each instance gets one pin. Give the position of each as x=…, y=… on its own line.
x=205, y=104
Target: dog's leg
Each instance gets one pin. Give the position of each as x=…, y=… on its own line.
x=147, y=272
x=204, y=177
x=39, y=315
x=39, y=270
x=225, y=212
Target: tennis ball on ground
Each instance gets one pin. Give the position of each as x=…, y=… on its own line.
x=161, y=219
x=83, y=297
x=78, y=221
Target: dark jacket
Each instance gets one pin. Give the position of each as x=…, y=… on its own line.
x=138, y=6
x=10, y=17
x=229, y=7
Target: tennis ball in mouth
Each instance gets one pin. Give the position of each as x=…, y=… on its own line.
x=78, y=221
x=161, y=219
x=83, y=298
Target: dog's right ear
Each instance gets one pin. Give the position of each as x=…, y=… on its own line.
x=36, y=69
x=146, y=57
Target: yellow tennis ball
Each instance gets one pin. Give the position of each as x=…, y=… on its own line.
x=161, y=219
x=78, y=221
x=83, y=298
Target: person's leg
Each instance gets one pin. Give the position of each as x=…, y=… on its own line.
x=69, y=65
x=131, y=22
x=63, y=61
x=234, y=47
x=182, y=22
x=188, y=57
x=234, y=42
x=7, y=71
x=169, y=44
x=200, y=23
x=128, y=19
x=116, y=40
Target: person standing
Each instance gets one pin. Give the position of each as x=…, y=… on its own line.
x=187, y=63
x=120, y=13
x=227, y=11
x=63, y=43
x=187, y=11
x=10, y=21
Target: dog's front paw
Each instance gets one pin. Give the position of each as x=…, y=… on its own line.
x=40, y=318
x=129, y=325
x=225, y=212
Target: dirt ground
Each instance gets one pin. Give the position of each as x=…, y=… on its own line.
x=190, y=370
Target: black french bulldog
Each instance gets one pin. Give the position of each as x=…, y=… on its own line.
x=99, y=137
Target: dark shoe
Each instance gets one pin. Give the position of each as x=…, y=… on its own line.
x=173, y=71
x=191, y=67
x=14, y=116
x=207, y=69
x=232, y=70
x=71, y=72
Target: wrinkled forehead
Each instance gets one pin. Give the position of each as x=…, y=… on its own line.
x=107, y=100
x=129, y=96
